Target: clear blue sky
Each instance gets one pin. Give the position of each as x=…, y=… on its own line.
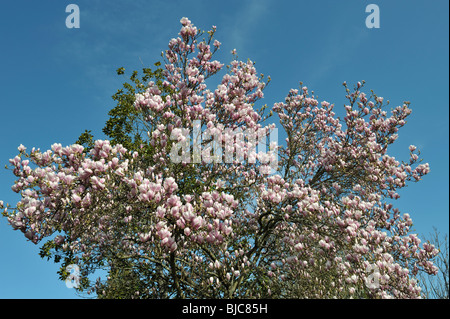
x=56, y=82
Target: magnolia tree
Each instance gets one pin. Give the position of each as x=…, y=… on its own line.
x=178, y=203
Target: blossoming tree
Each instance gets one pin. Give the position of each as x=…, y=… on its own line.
x=322, y=225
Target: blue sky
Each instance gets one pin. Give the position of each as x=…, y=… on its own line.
x=56, y=82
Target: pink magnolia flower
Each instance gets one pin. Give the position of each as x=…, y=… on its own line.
x=325, y=208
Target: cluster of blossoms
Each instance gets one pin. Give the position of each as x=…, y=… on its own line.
x=322, y=226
